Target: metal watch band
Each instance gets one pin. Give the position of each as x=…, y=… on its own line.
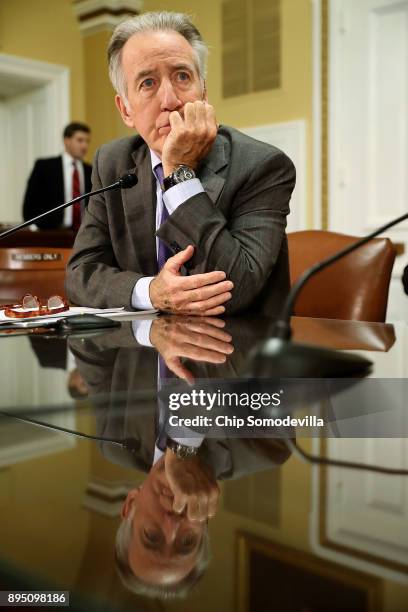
x=180, y=450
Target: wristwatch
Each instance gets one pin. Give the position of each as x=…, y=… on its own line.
x=181, y=173
x=180, y=450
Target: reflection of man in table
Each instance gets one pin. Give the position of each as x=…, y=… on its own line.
x=209, y=198
x=55, y=180
x=162, y=543
x=53, y=352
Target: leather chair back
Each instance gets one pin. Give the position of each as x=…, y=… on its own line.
x=356, y=287
x=36, y=270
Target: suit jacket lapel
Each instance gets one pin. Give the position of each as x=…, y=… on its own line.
x=208, y=170
x=139, y=204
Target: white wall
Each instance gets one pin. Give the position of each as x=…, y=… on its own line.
x=368, y=131
x=34, y=108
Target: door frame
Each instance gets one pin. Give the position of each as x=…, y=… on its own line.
x=55, y=79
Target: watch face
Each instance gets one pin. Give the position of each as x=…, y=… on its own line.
x=184, y=173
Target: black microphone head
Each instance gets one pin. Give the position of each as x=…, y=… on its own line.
x=127, y=180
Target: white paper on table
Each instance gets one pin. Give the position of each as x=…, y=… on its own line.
x=110, y=313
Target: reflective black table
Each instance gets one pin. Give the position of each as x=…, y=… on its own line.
x=88, y=489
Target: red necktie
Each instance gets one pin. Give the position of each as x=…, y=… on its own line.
x=76, y=191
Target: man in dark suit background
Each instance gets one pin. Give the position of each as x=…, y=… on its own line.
x=55, y=180
x=208, y=199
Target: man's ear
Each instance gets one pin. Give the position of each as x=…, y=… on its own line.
x=128, y=504
x=120, y=103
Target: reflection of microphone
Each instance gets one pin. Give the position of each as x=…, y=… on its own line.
x=294, y=448
x=277, y=356
x=125, y=182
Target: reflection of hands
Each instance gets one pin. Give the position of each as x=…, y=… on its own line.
x=192, y=485
x=191, y=137
x=198, y=294
x=200, y=339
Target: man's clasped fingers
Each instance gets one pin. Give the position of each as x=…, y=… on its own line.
x=189, y=351
x=196, y=281
x=199, y=294
x=182, y=337
x=202, y=294
x=198, y=301
x=203, y=327
x=180, y=303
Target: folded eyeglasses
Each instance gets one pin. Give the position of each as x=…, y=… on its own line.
x=32, y=306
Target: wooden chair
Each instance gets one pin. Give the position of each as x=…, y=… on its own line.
x=36, y=270
x=356, y=287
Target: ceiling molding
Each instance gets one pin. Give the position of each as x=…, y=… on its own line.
x=101, y=15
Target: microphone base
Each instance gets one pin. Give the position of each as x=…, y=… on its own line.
x=279, y=358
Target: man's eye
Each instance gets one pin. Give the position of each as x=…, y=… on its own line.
x=152, y=536
x=188, y=543
x=183, y=76
x=147, y=83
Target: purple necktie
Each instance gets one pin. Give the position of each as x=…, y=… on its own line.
x=163, y=252
x=161, y=418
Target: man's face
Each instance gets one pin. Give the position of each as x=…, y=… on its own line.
x=77, y=145
x=161, y=76
x=164, y=545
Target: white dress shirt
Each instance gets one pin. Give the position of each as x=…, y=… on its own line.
x=172, y=198
x=67, y=172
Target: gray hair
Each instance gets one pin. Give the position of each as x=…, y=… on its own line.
x=134, y=584
x=148, y=22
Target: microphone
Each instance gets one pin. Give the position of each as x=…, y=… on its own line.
x=278, y=356
x=124, y=182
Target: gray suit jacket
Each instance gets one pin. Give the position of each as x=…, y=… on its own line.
x=237, y=225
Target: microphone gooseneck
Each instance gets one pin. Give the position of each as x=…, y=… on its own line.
x=282, y=328
x=279, y=357
x=124, y=182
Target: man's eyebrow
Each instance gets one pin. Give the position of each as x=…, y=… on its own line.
x=149, y=72
x=143, y=73
x=184, y=67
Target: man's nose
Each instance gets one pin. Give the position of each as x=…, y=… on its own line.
x=169, y=100
x=170, y=526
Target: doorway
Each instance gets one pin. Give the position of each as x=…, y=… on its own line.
x=34, y=108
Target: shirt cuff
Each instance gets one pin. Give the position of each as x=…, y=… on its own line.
x=180, y=193
x=140, y=295
x=141, y=331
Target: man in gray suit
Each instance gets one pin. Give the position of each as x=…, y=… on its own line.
x=203, y=231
